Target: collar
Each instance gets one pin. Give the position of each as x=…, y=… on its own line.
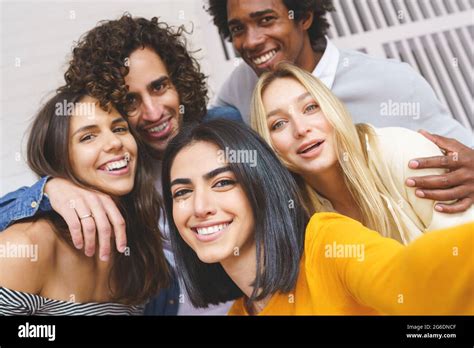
x=326, y=69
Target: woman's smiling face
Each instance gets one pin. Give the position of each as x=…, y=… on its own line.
x=299, y=130
x=102, y=151
x=210, y=209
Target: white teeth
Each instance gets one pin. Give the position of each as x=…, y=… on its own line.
x=265, y=58
x=211, y=229
x=158, y=128
x=118, y=164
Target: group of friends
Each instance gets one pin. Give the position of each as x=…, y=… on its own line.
x=139, y=208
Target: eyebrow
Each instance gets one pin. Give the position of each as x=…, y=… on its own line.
x=252, y=15
x=207, y=176
x=92, y=126
x=298, y=99
x=158, y=81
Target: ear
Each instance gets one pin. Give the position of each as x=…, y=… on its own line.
x=307, y=20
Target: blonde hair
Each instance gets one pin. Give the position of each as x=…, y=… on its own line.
x=360, y=175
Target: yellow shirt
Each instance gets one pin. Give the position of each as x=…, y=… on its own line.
x=347, y=269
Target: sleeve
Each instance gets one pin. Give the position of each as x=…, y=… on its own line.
x=400, y=145
x=432, y=275
x=435, y=116
x=24, y=203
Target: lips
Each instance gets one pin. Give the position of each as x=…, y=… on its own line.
x=309, y=146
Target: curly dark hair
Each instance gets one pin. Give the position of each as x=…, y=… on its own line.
x=99, y=63
x=218, y=10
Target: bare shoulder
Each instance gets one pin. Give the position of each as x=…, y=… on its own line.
x=26, y=250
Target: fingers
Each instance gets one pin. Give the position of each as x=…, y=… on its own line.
x=444, y=181
x=457, y=207
x=448, y=161
x=455, y=193
x=72, y=220
x=447, y=144
x=104, y=229
x=88, y=226
x=117, y=221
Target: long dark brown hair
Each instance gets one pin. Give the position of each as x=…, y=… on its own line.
x=142, y=272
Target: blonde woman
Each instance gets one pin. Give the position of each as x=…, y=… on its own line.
x=356, y=170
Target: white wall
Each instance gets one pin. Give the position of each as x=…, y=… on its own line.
x=36, y=38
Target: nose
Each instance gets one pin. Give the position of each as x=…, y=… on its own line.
x=203, y=205
x=151, y=109
x=254, y=39
x=113, y=142
x=300, y=128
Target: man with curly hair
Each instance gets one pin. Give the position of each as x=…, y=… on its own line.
x=143, y=69
x=266, y=32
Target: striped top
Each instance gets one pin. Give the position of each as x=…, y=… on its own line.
x=14, y=302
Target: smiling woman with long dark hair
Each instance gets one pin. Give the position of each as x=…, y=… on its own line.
x=239, y=231
x=73, y=138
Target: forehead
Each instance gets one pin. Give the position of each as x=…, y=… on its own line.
x=238, y=9
x=196, y=159
x=87, y=111
x=144, y=64
x=282, y=90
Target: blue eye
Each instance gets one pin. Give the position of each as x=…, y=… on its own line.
x=277, y=125
x=311, y=107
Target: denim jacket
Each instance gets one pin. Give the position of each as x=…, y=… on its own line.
x=23, y=203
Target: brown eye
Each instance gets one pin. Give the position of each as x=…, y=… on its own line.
x=224, y=182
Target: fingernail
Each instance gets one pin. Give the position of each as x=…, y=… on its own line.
x=104, y=257
x=410, y=182
x=413, y=164
x=420, y=193
x=122, y=248
x=78, y=246
x=438, y=207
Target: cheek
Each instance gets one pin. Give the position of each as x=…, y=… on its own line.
x=82, y=159
x=282, y=142
x=173, y=98
x=130, y=144
x=181, y=213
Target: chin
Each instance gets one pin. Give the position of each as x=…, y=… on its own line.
x=212, y=257
x=119, y=191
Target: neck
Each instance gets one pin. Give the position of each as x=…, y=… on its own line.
x=308, y=59
x=331, y=185
x=242, y=269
